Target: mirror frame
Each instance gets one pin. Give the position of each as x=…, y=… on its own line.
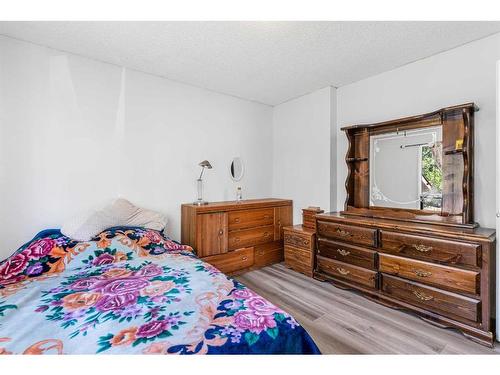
x=242, y=169
x=457, y=129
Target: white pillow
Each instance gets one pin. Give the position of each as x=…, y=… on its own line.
x=87, y=225
x=127, y=214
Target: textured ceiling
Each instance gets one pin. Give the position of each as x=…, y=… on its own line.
x=269, y=62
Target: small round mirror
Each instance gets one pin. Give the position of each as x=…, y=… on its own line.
x=236, y=169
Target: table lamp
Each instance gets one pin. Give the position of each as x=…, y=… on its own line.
x=205, y=164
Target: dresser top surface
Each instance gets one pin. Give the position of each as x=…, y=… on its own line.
x=239, y=205
x=300, y=228
x=477, y=233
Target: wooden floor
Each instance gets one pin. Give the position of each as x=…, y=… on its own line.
x=343, y=322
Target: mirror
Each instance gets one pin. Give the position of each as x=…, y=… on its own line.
x=407, y=169
x=236, y=169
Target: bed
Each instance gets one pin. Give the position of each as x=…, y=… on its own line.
x=133, y=291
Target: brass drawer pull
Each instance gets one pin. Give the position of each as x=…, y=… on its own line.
x=343, y=271
x=343, y=233
x=266, y=234
x=237, y=220
x=422, y=296
x=306, y=242
x=221, y=232
x=421, y=273
x=422, y=248
x=236, y=239
x=244, y=258
x=343, y=252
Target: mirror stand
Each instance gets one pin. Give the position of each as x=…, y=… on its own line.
x=442, y=191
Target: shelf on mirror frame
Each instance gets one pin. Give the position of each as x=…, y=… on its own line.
x=354, y=160
x=454, y=152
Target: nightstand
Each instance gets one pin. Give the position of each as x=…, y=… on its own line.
x=299, y=248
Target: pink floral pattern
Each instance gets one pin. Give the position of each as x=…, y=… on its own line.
x=109, y=293
x=14, y=266
x=40, y=248
x=103, y=259
x=133, y=291
x=250, y=320
x=260, y=307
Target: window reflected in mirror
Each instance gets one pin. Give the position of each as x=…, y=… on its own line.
x=407, y=169
x=431, y=191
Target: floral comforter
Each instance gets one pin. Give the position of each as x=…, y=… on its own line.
x=133, y=291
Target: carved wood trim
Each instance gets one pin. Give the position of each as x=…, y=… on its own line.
x=349, y=181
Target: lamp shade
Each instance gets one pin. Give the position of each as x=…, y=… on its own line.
x=205, y=164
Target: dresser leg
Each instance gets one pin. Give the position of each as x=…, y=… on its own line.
x=319, y=278
x=480, y=337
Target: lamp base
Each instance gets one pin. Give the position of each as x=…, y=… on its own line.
x=200, y=203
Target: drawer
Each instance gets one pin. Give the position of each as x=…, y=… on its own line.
x=442, y=276
x=347, y=253
x=347, y=272
x=347, y=233
x=250, y=237
x=432, y=299
x=232, y=261
x=268, y=253
x=298, y=255
x=250, y=218
x=305, y=241
x=431, y=249
x=299, y=267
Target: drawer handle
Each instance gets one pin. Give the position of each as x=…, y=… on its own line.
x=266, y=234
x=422, y=248
x=221, y=232
x=236, y=239
x=343, y=233
x=422, y=296
x=237, y=220
x=244, y=258
x=261, y=252
x=342, y=252
x=266, y=216
x=421, y=273
x=343, y=271
x=306, y=242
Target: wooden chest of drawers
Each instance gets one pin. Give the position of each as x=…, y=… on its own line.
x=236, y=236
x=299, y=249
x=444, y=274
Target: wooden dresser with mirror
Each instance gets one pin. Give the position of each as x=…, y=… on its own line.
x=236, y=236
x=407, y=237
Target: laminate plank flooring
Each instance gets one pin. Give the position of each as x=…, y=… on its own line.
x=344, y=322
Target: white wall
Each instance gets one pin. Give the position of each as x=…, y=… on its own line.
x=301, y=144
x=464, y=74
x=75, y=133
